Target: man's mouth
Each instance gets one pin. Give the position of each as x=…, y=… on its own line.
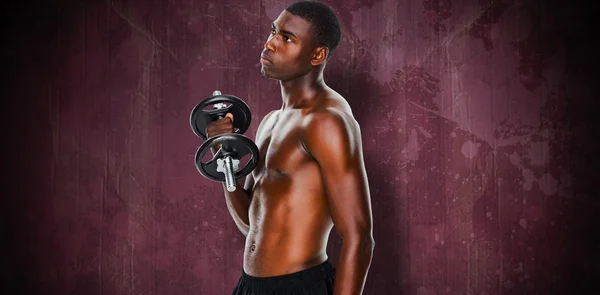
x=264, y=58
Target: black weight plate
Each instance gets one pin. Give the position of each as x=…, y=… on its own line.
x=200, y=118
x=237, y=146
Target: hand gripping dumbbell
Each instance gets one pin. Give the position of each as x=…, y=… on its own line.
x=224, y=166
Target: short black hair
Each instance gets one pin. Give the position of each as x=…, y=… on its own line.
x=325, y=27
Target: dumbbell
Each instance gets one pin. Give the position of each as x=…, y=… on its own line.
x=200, y=118
x=224, y=166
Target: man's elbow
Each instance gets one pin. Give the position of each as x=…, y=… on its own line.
x=368, y=243
x=362, y=239
x=244, y=229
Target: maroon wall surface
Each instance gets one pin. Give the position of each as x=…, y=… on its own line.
x=477, y=124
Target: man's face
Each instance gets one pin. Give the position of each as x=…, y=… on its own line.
x=289, y=48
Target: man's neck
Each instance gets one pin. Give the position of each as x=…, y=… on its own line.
x=302, y=92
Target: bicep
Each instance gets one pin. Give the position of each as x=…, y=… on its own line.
x=250, y=181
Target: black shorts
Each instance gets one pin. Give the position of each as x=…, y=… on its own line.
x=317, y=280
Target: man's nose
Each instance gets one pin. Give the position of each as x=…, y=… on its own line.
x=269, y=45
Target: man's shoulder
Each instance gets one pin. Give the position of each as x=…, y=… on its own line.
x=331, y=119
x=267, y=117
x=331, y=128
x=270, y=114
x=332, y=108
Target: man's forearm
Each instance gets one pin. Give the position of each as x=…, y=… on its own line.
x=238, y=204
x=353, y=266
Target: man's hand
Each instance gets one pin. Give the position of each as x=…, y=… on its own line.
x=219, y=127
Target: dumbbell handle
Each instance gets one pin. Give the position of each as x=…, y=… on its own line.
x=219, y=117
x=229, y=179
x=228, y=162
x=217, y=92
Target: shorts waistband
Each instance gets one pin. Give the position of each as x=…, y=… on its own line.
x=312, y=274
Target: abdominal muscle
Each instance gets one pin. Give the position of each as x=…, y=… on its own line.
x=289, y=228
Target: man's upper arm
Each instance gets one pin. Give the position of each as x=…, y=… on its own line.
x=333, y=139
x=249, y=183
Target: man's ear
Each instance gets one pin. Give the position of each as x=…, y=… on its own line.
x=320, y=56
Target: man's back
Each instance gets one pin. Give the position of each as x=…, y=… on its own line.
x=289, y=214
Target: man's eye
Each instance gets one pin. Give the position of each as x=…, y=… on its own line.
x=286, y=38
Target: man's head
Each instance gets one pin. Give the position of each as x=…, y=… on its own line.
x=303, y=37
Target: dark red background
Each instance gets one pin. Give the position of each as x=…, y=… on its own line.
x=477, y=123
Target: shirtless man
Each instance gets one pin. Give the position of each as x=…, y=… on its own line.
x=311, y=175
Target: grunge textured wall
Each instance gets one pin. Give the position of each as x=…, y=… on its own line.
x=476, y=120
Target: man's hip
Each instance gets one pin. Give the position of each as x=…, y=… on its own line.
x=317, y=280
